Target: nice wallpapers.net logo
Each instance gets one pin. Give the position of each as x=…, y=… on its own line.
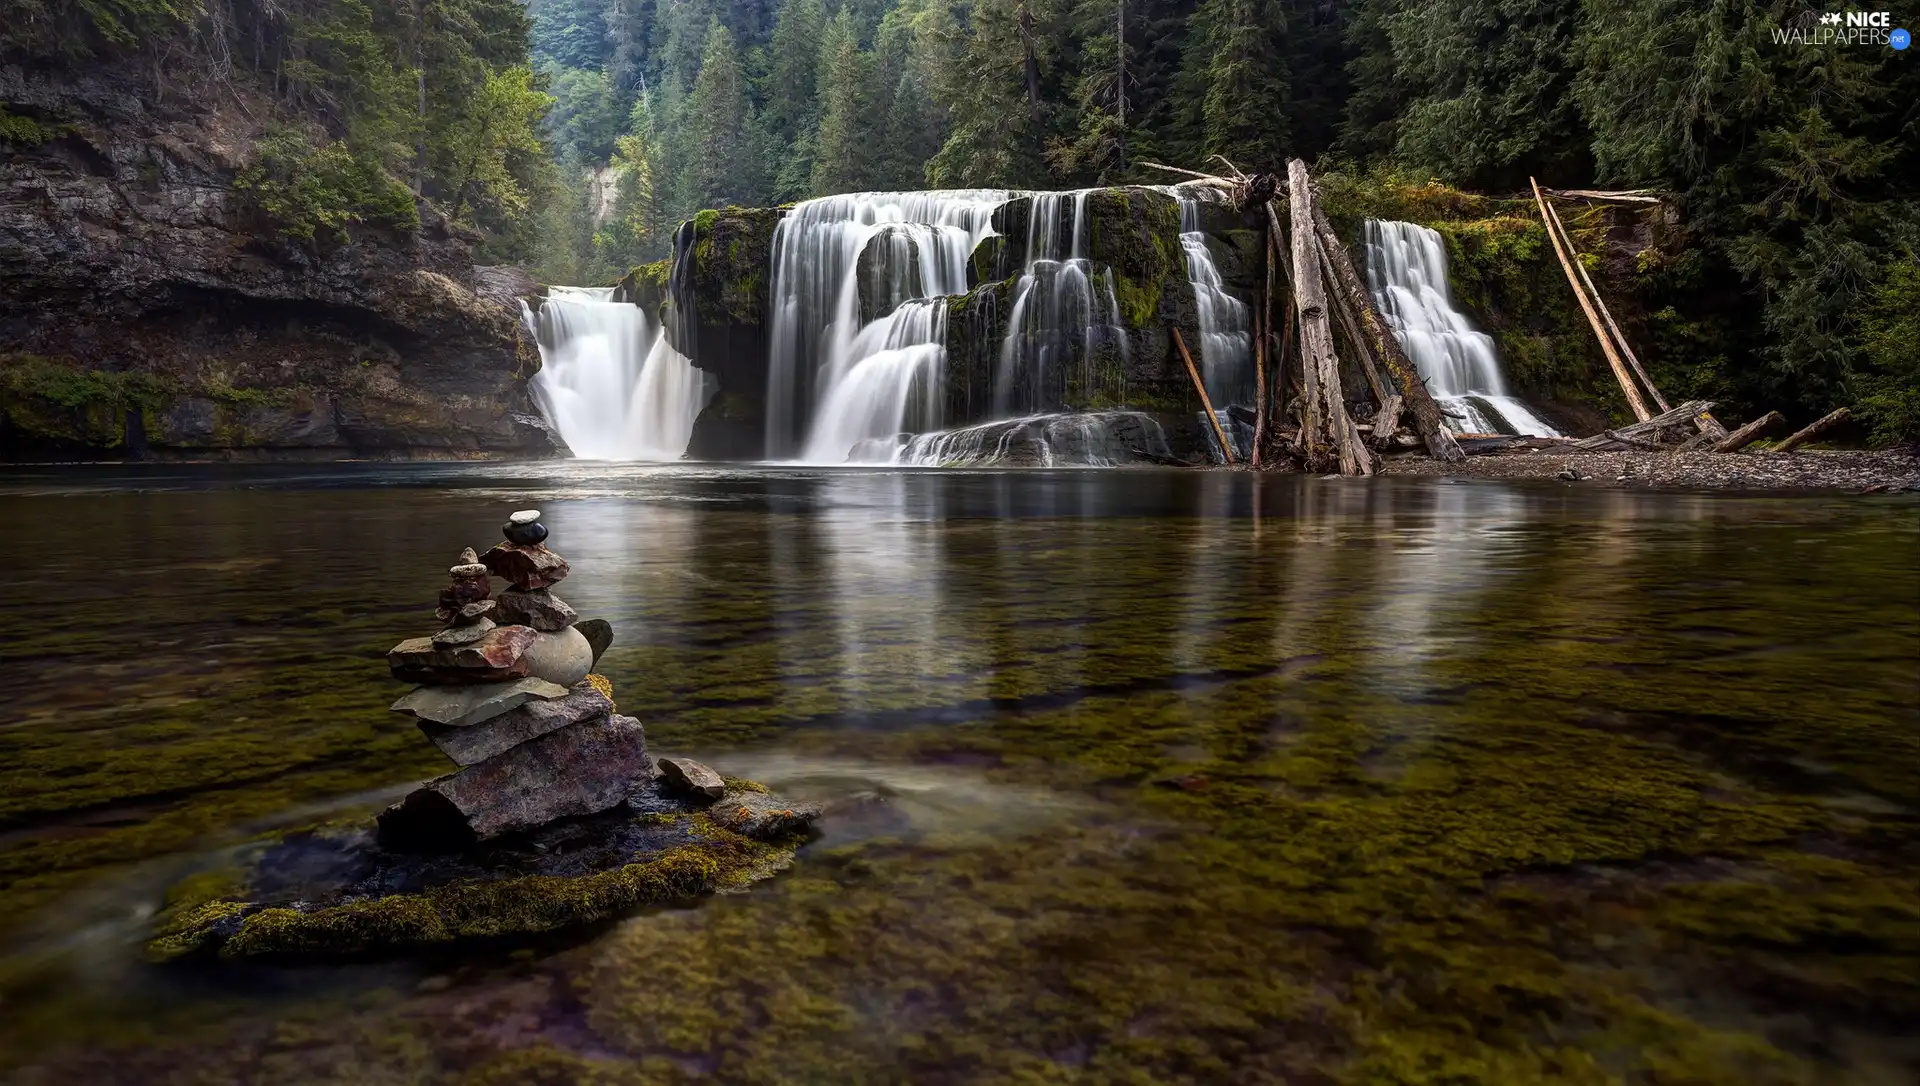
x=1827, y=28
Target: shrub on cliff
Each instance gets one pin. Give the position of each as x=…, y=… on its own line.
x=314, y=195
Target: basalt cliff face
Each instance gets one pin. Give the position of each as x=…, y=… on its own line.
x=151, y=310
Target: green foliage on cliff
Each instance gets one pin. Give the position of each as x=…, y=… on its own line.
x=316, y=194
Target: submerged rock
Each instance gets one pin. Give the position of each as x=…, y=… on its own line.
x=344, y=893
x=580, y=769
x=466, y=705
x=691, y=778
x=468, y=744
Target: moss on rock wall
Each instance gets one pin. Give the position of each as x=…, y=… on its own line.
x=1502, y=271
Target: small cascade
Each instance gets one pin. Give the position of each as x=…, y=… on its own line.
x=1407, y=274
x=1061, y=311
x=609, y=381
x=1084, y=439
x=1226, y=323
x=843, y=368
x=894, y=380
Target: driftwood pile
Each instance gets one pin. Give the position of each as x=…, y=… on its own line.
x=1305, y=416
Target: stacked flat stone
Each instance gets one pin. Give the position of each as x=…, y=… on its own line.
x=506, y=694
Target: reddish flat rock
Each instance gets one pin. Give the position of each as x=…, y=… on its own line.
x=495, y=657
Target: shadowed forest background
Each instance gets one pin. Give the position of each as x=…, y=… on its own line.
x=575, y=135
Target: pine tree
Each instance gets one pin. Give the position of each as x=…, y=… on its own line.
x=993, y=89
x=793, y=58
x=841, y=146
x=1486, y=86
x=719, y=162
x=1096, y=149
x=912, y=47
x=1237, y=48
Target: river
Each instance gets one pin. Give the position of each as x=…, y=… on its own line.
x=1169, y=776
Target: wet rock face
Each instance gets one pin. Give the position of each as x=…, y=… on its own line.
x=580, y=769
x=126, y=250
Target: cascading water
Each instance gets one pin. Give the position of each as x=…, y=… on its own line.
x=1087, y=439
x=1226, y=332
x=834, y=378
x=609, y=381
x=1061, y=310
x=1407, y=273
x=857, y=344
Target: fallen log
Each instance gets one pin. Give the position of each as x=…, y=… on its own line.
x=1328, y=434
x=1627, y=196
x=1639, y=431
x=1226, y=447
x=1814, y=429
x=1605, y=314
x=1606, y=439
x=1620, y=374
x=1427, y=419
x=1748, y=434
x=1387, y=421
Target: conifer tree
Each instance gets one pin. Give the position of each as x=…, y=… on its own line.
x=720, y=165
x=841, y=147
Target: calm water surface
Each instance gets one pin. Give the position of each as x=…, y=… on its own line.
x=1175, y=777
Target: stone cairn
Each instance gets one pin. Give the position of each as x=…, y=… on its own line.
x=506, y=691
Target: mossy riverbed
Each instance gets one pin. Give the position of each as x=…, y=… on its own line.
x=1140, y=777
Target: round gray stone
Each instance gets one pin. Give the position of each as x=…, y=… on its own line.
x=563, y=657
x=524, y=516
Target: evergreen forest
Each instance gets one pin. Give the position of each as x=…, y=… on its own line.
x=575, y=135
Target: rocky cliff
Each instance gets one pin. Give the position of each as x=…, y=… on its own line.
x=154, y=310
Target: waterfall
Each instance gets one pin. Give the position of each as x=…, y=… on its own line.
x=1407, y=274
x=1226, y=324
x=609, y=381
x=1086, y=439
x=843, y=368
x=1060, y=311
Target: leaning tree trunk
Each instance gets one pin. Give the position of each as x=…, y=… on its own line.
x=1327, y=433
x=1427, y=420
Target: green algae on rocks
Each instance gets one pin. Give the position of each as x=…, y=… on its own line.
x=560, y=876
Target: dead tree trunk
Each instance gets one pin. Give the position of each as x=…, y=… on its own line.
x=1343, y=308
x=1427, y=419
x=1226, y=447
x=1748, y=434
x=1328, y=434
x=1620, y=373
x=1814, y=429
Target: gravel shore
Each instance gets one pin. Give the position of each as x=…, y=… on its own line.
x=1858, y=472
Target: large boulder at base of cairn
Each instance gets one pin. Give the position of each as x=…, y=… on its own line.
x=557, y=814
x=579, y=769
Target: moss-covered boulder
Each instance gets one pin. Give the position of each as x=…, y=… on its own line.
x=647, y=286
x=716, y=315
x=889, y=271
x=338, y=892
